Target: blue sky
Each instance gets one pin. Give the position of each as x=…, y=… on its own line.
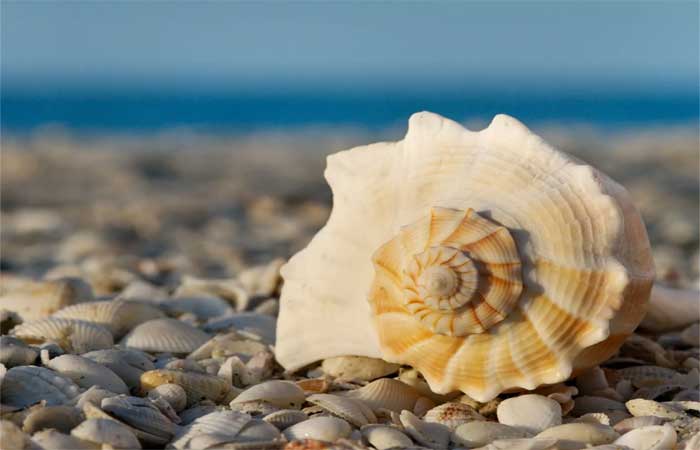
x=237, y=43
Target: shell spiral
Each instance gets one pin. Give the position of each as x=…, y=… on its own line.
x=487, y=260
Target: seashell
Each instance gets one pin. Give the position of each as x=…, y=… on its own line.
x=25, y=385
x=478, y=433
x=55, y=440
x=72, y=335
x=433, y=435
x=61, y=418
x=671, y=309
x=632, y=423
x=174, y=394
x=531, y=412
x=357, y=368
x=247, y=323
x=492, y=261
x=12, y=437
x=211, y=430
x=198, y=386
x=328, y=429
x=649, y=376
x=285, y=418
x=106, y=432
x=258, y=433
x=386, y=393
x=117, y=316
x=87, y=373
x=352, y=410
x=35, y=300
x=414, y=379
x=201, y=409
x=284, y=394
x=688, y=394
x=560, y=393
x=165, y=335
x=14, y=352
x=653, y=393
x=94, y=395
x=590, y=433
x=641, y=407
x=144, y=418
x=255, y=408
x=452, y=415
x=203, y=307
x=262, y=280
x=656, y=437
x=129, y=365
x=230, y=290
x=314, y=385
x=533, y=444
x=586, y=404
x=383, y=437
x=259, y=367
x=601, y=418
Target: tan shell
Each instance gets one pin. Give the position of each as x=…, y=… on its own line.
x=165, y=335
x=34, y=300
x=487, y=260
x=72, y=335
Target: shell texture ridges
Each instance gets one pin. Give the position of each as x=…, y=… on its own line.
x=487, y=260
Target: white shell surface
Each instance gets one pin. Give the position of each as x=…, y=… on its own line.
x=105, y=431
x=72, y=335
x=165, y=335
x=284, y=394
x=531, y=412
x=214, y=429
x=328, y=429
x=127, y=364
x=25, y=385
x=656, y=437
x=87, y=373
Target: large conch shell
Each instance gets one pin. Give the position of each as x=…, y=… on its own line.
x=487, y=260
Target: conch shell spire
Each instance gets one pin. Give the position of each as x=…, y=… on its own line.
x=487, y=260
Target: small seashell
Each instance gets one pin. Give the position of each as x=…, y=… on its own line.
x=14, y=352
x=655, y=437
x=107, y=314
x=592, y=381
x=383, y=437
x=452, y=415
x=285, y=418
x=653, y=393
x=230, y=290
x=641, y=407
x=107, y=433
x=532, y=412
x=433, y=435
x=328, y=429
x=183, y=364
x=284, y=394
x=72, y=335
x=25, y=385
x=478, y=433
x=127, y=364
x=211, y=430
x=386, y=393
x=260, y=367
x=61, y=418
x=632, y=423
x=601, y=418
x=87, y=373
x=590, y=433
x=165, y=335
x=174, y=394
x=145, y=419
x=532, y=444
x=35, y=300
x=670, y=309
x=590, y=404
x=94, y=395
x=203, y=307
x=260, y=325
x=198, y=386
x=357, y=368
x=55, y=440
x=560, y=393
x=687, y=394
x=352, y=410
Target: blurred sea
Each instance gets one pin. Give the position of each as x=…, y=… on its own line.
x=139, y=110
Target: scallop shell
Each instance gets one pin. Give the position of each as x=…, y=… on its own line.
x=165, y=335
x=87, y=373
x=198, y=386
x=386, y=393
x=25, y=385
x=487, y=260
x=117, y=316
x=148, y=422
x=452, y=415
x=354, y=411
x=284, y=394
x=285, y=418
x=75, y=336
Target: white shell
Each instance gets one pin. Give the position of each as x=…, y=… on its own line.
x=433, y=435
x=383, y=437
x=72, y=335
x=14, y=352
x=477, y=433
x=165, y=335
x=55, y=440
x=25, y=385
x=117, y=316
x=576, y=250
x=129, y=365
x=284, y=394
x=174, y=394
x=105, y=431
x=211, y=430
x=534, y=413
x=285, y=418
x=590, y=433
x=328, y=429
x=386, y=393
x=657, y=437
x=87, y=373
x=357, y=368
x=452, y=415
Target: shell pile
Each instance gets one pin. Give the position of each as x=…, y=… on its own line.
x=102, y=352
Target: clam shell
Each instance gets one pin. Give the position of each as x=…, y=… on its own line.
x=656, y=437
x=165, y=335
x=72, y=335
x=174, y=394
x=383, y=437
x=641, y=407
x=452, y=415
x=129, y=365
x=14, y=352
x=386, y=393
x=254, y=324
x=285, y=418
x=87, y=373
x=25, y=385
x=284, y=394
x=534, y=413
x=352, y=410
x=590, y=433
x=211, y=430
x=55, y=440
x=94, y=395
x=357, y=368
x=478, y=433
x=433, y=435
x=106, y=432
x=145, y=419
x=39, y=299
x=328, y=429
x=198, y=386
x=61, y=418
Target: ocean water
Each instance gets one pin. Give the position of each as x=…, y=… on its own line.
x=123, y=110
